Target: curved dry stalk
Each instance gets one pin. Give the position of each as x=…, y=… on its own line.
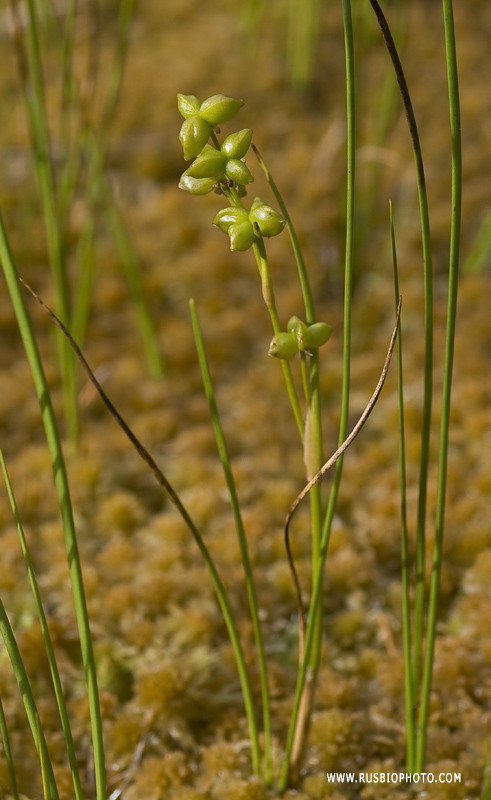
x=325, y=468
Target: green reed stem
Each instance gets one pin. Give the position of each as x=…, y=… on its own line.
x=8, y=753
x=62, y=488
x=32, y=80
x=251, y=591
x=46, y=637
x=125, y=17
x=268, y=297
x=349, y=258
x=306, y=675
x=456, y=217
x=406, y=601
x=313, y=447
x=419, y=605
x=27, y=698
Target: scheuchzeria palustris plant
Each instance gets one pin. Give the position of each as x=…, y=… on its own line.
x=220, y=168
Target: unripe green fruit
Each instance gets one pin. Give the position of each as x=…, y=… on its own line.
x=197, y=186
x=241, y=236
x=210, y=164
x=283, y=345
x=237, y=144
x=194, y=135
x=230, y=216
x=238, y=172
x=269, y=221
x=319, y=333
x=219, y=108
x=188, y=105
x=300, y=332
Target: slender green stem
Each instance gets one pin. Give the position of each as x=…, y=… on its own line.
x=406, y=602
x=306, y=676
x=313, y=442
x=34, y=100
x=125, y=17
x=456, y=216
x=419, y=606
x=348, y=262
x=268, y=296
x=305, y=377
x=8, y=753
x=62, y=488
x=27, y=698
x=302, y=271
x=251, y=591
x=46, y=637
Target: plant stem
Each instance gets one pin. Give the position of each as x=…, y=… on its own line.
x=251, y=591
x=8, y=753
x=456, y=216
x=313, y=441
x=268, y=297
x=63, y=491
x=55, y=675
x=419, y=605
x=34, y=100
x=307, y=672
x=406, y=603
x=28, y=699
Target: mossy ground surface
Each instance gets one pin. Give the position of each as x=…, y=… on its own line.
x=173, y=715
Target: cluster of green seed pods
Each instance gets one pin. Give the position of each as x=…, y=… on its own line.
x=244, y=227
x=299, y=337
x=220, y=167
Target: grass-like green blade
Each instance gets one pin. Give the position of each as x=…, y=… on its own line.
x=405, y=572
x=419, y=608
x=453, y=276
x=46, y=636
x=8, y=753
x=251, y=590
x=63, y=491
x=28, y=700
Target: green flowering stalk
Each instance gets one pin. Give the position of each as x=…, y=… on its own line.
x=220, y=167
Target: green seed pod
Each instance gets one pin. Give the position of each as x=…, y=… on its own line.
x=300, y=332
x=194, y=135
x=188, y=105
x=241, y=236
x=238, y=172
x=283, y=345
x=196, y=186
x=319, y=333
x=219, y=108
x=230, y=216
x=210, y=164
x=237, y=144
x=270, y=222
